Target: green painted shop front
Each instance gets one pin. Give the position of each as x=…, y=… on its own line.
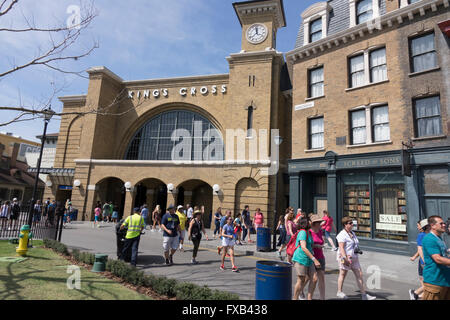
x=370, y=188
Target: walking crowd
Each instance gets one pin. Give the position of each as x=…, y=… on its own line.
x=44, y=214
x=303, y=237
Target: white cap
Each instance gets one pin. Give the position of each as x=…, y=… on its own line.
x=179, y=207
x=15, y=199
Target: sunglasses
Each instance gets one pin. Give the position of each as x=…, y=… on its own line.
x=350, y=223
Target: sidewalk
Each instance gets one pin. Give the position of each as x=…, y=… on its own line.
x=396, y=274
x=392, y=267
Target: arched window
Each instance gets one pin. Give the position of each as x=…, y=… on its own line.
x=153, y=141
x=249, y=121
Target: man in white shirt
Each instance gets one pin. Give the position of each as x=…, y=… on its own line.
x=190, y=212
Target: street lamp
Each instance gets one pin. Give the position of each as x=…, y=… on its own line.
x=278, y=141
x=48, y=114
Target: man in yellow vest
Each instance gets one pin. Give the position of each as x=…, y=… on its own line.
x=135, y=225
x=183, y=218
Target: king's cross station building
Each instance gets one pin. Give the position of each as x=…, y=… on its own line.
x=354, y=119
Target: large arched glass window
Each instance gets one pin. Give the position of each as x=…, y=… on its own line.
x=154, y=140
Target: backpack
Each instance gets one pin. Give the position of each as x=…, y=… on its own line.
x=290, y=249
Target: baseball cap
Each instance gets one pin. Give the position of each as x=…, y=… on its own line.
x=171, y=207
x=15, y=199
x=136, y=210
x=179, y=207
x=423, y=223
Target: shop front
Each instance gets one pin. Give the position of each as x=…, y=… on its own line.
x=369, y=188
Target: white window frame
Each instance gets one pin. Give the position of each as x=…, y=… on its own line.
x=310, y=84
x=370, y=135
x=367, y=68
x=375, y=8
x=310, y=134
x=319, y=11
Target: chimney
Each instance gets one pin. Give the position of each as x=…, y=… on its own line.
x=14, y=155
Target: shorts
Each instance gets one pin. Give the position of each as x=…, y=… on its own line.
x=303, y=270
x=182, y=234
x=433, y=292
x=36, y=218
x=14, y=216
x=171, y=243
x=327, y=234
x=115, y=215
x=354, y=266
x=96, y=218
x=420, y=269
x=227, y=242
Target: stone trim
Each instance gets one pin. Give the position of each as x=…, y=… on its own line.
x=175, y=163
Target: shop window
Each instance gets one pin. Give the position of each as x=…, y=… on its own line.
x=316, y=82
x=423, y=53
x=390, y=206
x=436, y=181
x=357, y=202
x=428, y=117
x=316, y=133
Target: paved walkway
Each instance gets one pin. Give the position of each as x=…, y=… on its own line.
x=397, y=273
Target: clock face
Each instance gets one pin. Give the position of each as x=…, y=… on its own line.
x=257, y=33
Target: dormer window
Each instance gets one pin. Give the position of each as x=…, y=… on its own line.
x=364, y=11
x=315, y=22
x=315, y=30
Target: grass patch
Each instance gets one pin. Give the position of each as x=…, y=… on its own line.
x=43, y=276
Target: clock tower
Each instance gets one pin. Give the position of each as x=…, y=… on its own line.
x=260, y=21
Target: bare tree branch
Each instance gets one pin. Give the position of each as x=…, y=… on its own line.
x=11, y=5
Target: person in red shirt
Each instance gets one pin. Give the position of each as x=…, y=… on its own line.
x=258, y=220
x=327, y=225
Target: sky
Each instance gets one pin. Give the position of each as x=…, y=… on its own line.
x=137, y=39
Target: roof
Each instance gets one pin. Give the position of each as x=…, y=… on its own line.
x=18, y=176
x=339, y=19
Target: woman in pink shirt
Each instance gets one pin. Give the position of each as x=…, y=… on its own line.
x=319, y=275
x=291, y=229
x=258, y=220
x=327, y=225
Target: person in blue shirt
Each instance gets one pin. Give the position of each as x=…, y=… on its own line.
x=423, y=228
x=223, y=222
x=144, y=213
x=436, y=273
x=228, y=242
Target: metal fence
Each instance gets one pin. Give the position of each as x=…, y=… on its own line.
x=43, y=226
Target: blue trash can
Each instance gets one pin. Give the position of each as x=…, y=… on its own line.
x=273, y=280
x=263, y=239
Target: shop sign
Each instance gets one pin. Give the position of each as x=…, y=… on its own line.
x=391, y=219
x=374, y=162
x=391, y=227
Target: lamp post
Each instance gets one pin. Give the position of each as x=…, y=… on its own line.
x=48, y=114
x=278, y=141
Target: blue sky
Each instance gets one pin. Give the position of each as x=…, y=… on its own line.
x=138, y=39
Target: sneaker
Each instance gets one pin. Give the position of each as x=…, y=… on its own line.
x=219, y=249
x=335, y=249
x=193, y=261
x=235, y=269
x=222, y=267
x=167, y=262
x=341, y=295
x=302, y=297
x=368, y=297
x=413, y=295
